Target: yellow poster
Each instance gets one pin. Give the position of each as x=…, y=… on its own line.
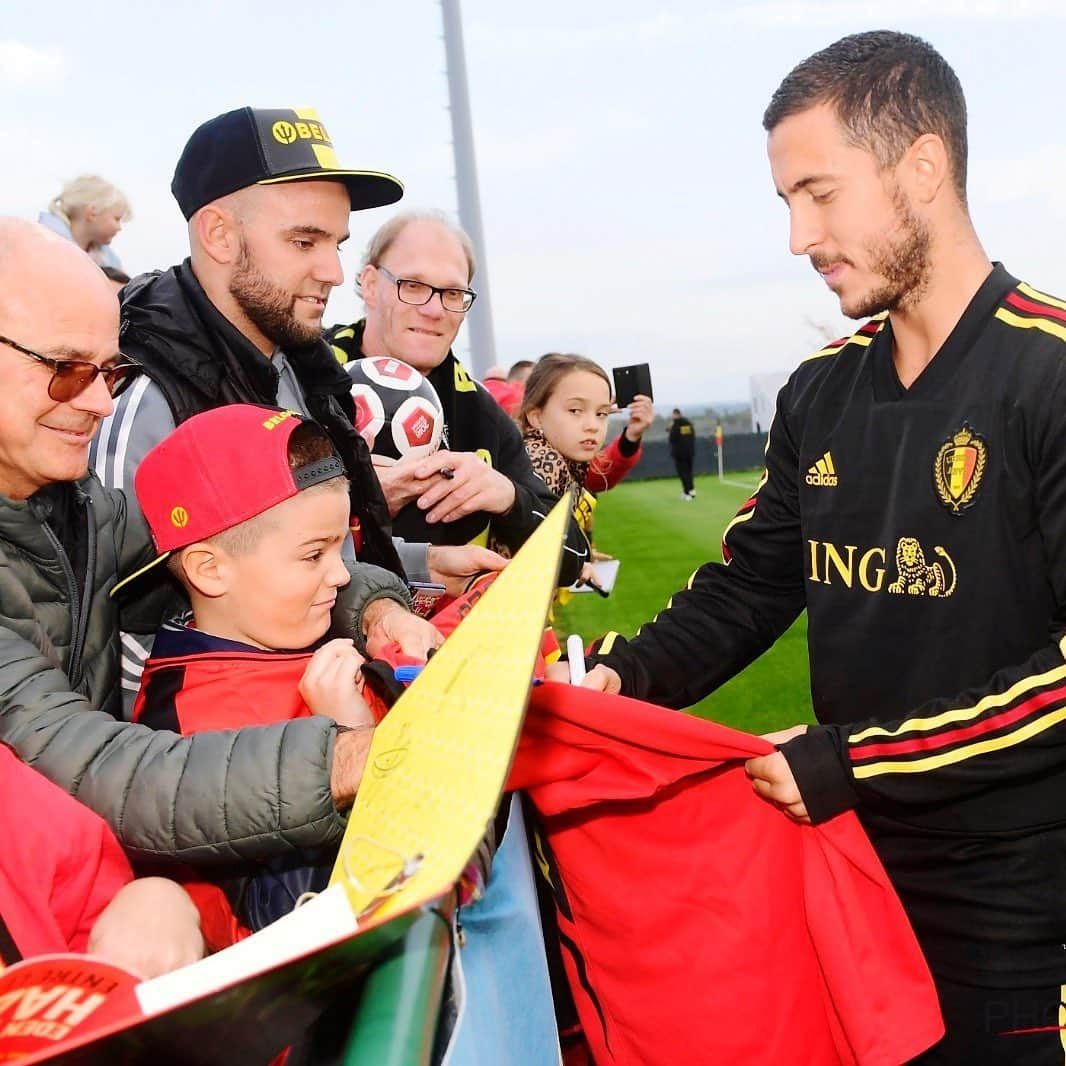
x=440, y=758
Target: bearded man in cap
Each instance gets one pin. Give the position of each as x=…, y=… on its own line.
x=267, y=206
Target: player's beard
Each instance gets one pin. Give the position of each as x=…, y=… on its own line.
x=903, y=262
x=269, y=308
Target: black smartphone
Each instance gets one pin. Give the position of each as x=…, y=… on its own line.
x=630, y=382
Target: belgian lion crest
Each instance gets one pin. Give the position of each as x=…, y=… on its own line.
x=916, y=576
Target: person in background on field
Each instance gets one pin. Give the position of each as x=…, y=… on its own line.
x=90, y=212
x=682, y=440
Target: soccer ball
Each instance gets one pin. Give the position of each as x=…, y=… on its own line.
x=397, y=410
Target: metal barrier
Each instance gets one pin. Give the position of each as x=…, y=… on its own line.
x=387, y=1014
x=396, y=1020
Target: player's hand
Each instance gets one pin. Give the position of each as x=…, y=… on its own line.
x=603, y=678
x=771, y=778
x=472, y=487
x=453, y=565
x=783, y=736
x=600, y=679
x=150, y=927
x=558, y=671
x=641, y=416
x=385, y=621
x=331, y=684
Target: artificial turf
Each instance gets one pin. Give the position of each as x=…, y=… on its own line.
x=660, y=539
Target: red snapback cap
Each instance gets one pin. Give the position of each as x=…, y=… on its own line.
x=218, y=469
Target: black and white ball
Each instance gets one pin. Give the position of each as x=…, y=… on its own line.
x=397, y=411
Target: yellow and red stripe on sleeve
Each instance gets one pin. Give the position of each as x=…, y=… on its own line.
x=1025, y=308
x=1000, y=720
x=746, y=510
x=862, y=336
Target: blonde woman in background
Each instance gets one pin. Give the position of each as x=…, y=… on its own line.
x=90, y=212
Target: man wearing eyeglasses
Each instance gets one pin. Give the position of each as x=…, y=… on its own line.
x=64, y=539
x=416, y=285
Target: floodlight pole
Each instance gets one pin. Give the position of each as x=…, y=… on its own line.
x=479, y=320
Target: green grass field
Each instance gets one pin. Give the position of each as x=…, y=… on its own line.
x=660, y=539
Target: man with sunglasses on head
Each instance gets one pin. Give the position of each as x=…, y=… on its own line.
x=416, y=284
x=64, y=539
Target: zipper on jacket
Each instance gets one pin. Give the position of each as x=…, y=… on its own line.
x=86, y=596
x=79, y=608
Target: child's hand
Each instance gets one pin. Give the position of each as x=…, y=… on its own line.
x=641, y=415
x=331, y=684
x=150, y=927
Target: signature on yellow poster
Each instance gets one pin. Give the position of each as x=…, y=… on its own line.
x=439, y=759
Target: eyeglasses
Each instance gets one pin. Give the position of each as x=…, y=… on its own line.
x=418, y=293
x=71, y=377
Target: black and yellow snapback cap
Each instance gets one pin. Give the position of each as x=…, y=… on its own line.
x=267, y=146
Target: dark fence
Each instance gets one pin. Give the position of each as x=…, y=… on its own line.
x=741, y=451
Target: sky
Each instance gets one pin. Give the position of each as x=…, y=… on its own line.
x=627, y=204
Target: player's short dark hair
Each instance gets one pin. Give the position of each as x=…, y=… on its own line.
x=888, y=89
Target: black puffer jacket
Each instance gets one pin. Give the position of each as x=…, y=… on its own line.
x=200, y=360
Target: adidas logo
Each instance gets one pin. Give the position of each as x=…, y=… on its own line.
x=823, y=473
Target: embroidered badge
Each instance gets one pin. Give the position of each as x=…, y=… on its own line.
x=959, y=466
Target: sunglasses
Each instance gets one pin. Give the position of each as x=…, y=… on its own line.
x=71, y=377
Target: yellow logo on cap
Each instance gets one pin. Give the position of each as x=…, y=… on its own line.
x=284, y=132
x=179, y=517
x=288, y=132
x=276, y=420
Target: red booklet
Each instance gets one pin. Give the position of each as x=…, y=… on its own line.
x=47, y=999
x=245, y=1004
